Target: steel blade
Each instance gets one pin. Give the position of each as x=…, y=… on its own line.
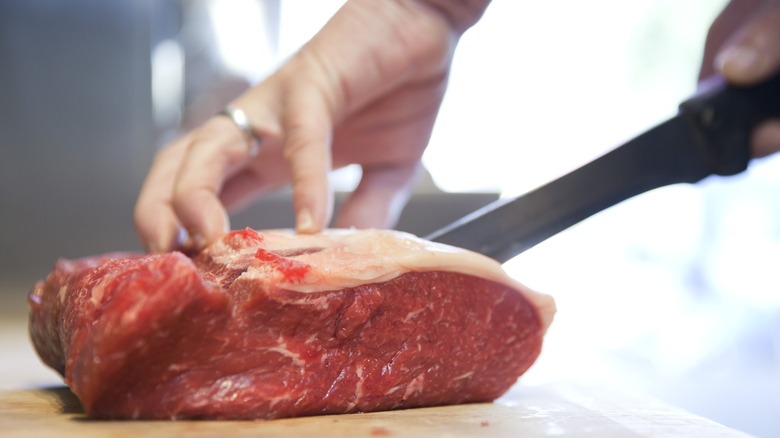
x=664, y=155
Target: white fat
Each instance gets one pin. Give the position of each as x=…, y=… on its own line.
x=295, y=357
x=416, y=385
x=349, y=258
x=63, y=293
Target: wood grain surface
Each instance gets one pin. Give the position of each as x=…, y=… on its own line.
x=544, y=411
x=33, y=403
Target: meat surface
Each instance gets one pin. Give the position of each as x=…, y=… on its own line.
x=270, y=324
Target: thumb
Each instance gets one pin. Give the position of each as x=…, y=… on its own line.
x=754, y=52
x=380, y=197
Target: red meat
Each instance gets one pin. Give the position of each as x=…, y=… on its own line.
x=268, y=325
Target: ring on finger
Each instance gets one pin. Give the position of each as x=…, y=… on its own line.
x=239, y=118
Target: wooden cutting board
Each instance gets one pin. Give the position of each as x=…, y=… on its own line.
x=553, y=410
x=560, y=410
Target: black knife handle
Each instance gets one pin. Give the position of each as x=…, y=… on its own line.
x=724, y=116
x=711, y=135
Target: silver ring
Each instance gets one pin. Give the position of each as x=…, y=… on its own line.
x=239, y=118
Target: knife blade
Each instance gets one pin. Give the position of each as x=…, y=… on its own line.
x=710, y=135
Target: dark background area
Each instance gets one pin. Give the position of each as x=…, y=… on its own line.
x=75, y=128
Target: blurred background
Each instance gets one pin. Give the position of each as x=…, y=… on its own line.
x=673, y=294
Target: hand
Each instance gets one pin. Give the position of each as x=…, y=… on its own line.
x=366, y=89
x=743, y=44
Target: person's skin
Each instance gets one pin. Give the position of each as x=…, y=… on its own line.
x=743, y=45
x=366, y=89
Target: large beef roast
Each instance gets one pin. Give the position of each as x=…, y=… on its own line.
x=271, y=324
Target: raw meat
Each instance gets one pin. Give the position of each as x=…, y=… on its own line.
x=271, y=324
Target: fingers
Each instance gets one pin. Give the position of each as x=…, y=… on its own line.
x=380, y=197
x=215, y=151
x=155, y=219
x=308, y=132
x=747, y=35
x=766, y=138
x=753, y=53
x=190, y=180
x=322, y=86
x=182, y=187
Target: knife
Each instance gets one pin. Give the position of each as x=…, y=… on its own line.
x=710, y=135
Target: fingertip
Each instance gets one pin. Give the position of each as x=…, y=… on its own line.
x=313, y=208
x=203, y=217
x=313, y=204
x=152, y=225
x=307, y=151
x=380, y=197
x=153, y=247
x=740, y=64
x=304, y=222
x=752, y=52
x=362, y=213
x=157, y=238
x=766, y=139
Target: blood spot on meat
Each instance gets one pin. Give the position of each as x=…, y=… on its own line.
x=292, y=270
